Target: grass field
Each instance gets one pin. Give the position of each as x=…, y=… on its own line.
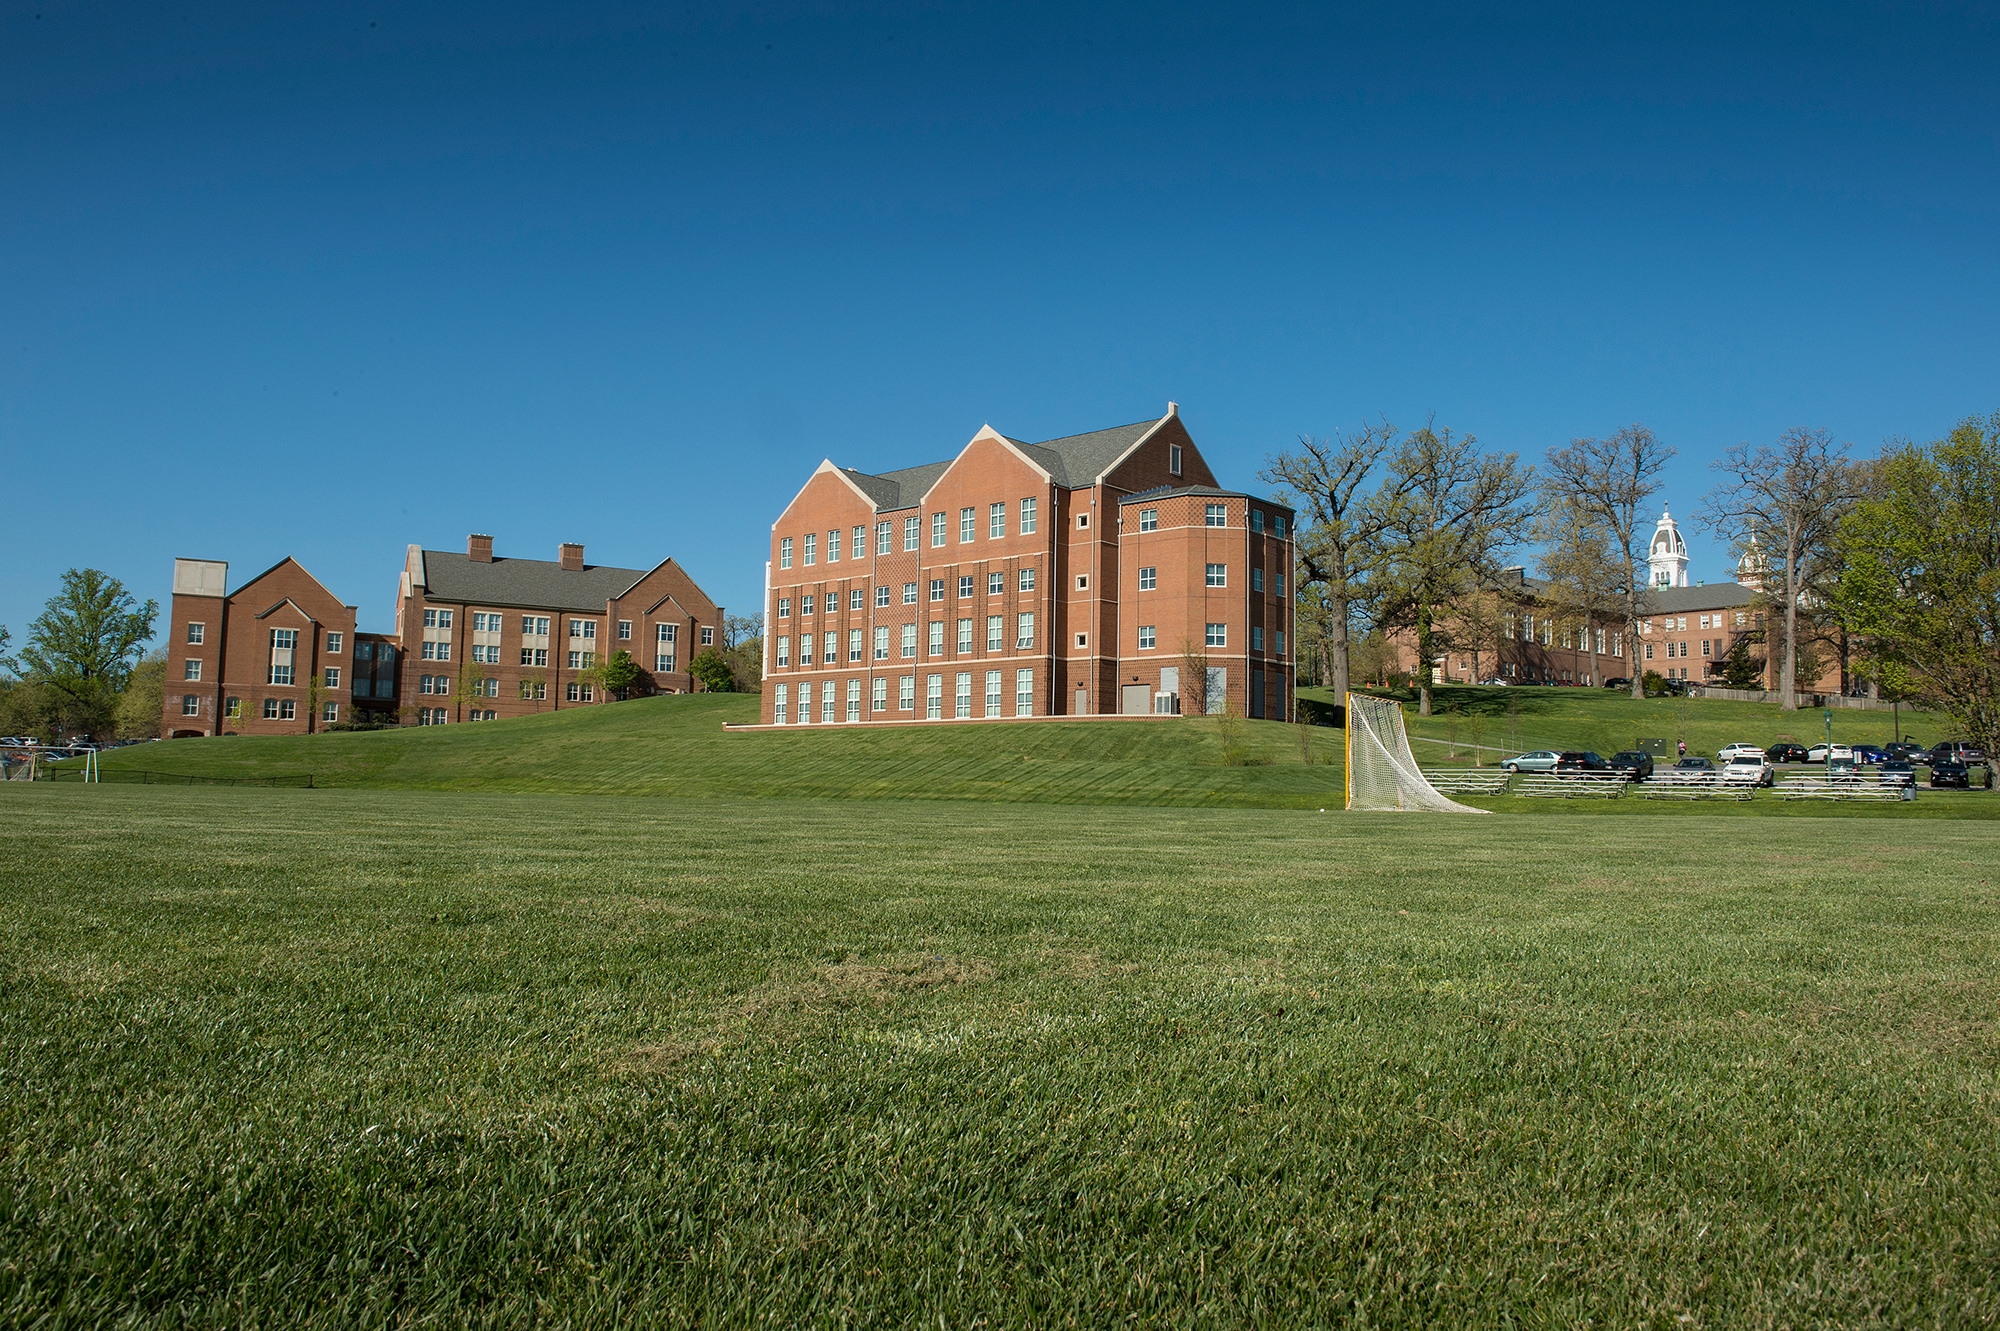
x=343, y=1056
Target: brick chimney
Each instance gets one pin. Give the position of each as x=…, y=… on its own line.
x=572, y=556
x=479, y=549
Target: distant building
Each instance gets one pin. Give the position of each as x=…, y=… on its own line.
x=1074, y=577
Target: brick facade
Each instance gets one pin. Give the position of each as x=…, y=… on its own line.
x=271, y=658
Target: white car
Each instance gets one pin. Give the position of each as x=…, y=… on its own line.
x=1494, y=683
x=1751, y=767
x=1542, y=760
x=1731, y=752
x=1837, y=753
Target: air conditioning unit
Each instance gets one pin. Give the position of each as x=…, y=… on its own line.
x=1166, y=704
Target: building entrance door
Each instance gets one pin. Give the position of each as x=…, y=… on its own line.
x=1136, y=701
x=1082, y=703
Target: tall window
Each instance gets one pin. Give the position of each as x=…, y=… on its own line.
x=1149, y=578
x=1218, y=635
x=784, y=552
x=996, y=630
x=831, y=641
x=854, y=644
x=937, y=589
x=1218, y=575
x=1149, y=519
x=909, y=593
x=965, y=637
x=333, y=640
x=878, y=695
x=964, y=587
x=966, y=523
x=1027, y=579
x=854, y=700
x=811, y=546
x=937, y=637
x=906, y=693
x=828, y=704
x=884, y=538
x=882, y=642
x=805, y=651
x=1024, y=631
x=190, y=704
x=1278, y=525
x=1024, y=693
x=1217, y=516
x=191, y=671
x=937, y=530
x=912, y=531
x=784, y=699
x=1028, y=516
x=860, y=546
x=1256, y=579
x=882, y=595
x=833, y=547
x=806, y=704
x=993, y=693
x=1174, y=459
x=996, y=584
x=909, y=641
x=961, y=697
x=857, y=598
x=934, y=698
x=1257, y=519
x=1256, y=638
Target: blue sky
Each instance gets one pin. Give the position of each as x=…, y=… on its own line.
x=328, y=283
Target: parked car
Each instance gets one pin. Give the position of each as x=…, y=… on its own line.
x=1830, y=753
x=1870, y=756
x=1636, y=761
x=1905, y=750
x=1617, y=683
x=1541, y=760
x=1581, y=760
x=1899, y=772
x=1752, y=767
x=1694, y=764
x=1953, y=751
x=1732, y=751
x=1786, y=753
x=1951, y=772
x=1495, y=683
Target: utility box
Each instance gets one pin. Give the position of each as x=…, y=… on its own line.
x=1657, y=747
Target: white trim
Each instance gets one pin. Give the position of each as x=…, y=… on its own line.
x=1173, y=413
x=985, y=432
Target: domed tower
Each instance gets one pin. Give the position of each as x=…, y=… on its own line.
x=1667, y=559
x=1751, y=570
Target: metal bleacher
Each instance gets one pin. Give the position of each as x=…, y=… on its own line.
x=1571, y=785
x=1466, y=780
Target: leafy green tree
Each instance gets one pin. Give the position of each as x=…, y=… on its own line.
x=1741, y=670
x=84, y=645
x=618, y=673
x=144, y=698
x=709, y=667
x=743, y=651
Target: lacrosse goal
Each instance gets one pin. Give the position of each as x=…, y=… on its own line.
x=1381, y=772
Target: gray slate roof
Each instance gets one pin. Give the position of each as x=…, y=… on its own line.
x=1202, y=491
x=1673, y=600
x=1074, y=460
x=535, y=584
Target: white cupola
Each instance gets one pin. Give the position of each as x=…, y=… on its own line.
x=1752, y=569
x=1667, y=558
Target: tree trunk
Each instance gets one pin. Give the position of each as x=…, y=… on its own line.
x=1335, y=646
x=1590, y=641
x=1788, y=696
x=1424, y=640
x=1632, y=636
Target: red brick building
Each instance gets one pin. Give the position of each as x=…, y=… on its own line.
x=1071, y=577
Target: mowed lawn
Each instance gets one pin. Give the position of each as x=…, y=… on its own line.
x=285, y=1056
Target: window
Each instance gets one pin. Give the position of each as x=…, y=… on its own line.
x=783, y=705
x=1278, y=583
x=993, y=692
x=1618, y=644
x=1218, y=575
x=1704, y=621
x=280, y=674
x=1145, y=637
x=435, y=651
x=1024, y=631
x=937, y=637
x=996, y=521
x=857, y=598
x=1281, y=642
x=805, y=651
x=854, y=644
x=833, y=547
x=233, y=708
x=663, y=662
x=1704, y=646
x=666, y=632
x=1739, y=619
x=878, y=695
x=1174, y=458
x=805, y=704
x=784, y=649
x=284, y=639
x=1216, y=516
x=583, y=628
x=287, y=710
x=884, y=538
x=831, y=643
x=1083, y=582
x=1149, y=519
x=937, y=530
x=1149, y=578
x=1083, y=640
x=430, y=619
x=906, y=693
x=882, y=595
x=534, y=690
x=934, y=698
x=197, y=632
x=964, y=588
x=575, y=692
x=1600, y=642
x=1024, y=693
x=882, y=642
x=805, y=605
x=190, y=704
x=853, y=700
x=1082, y=520
x=270, y=709
x=708, y=635
x=965, y=637
x=909, y=593
x=1278, y=525
x=860, y=546
x=784, y=552
x=582, y=660
x=1027, y=580
x=192, y=670
x=534, y=656
x=1257, y=519
x=1527, y=628
x=1649, y=651
x=586, y=691
x=1218, y=635
x=909, y=641
x=937, y=589
x=961, y=696
x=966, y=523
x=996, y=584
x=426, y=684
x=1028, y=516
x=333, y=640
x=912, y=530
x=624, y=629
x=535, y=626
x=333, y=677
x=811, y=550
x=996, y=632
x=1256, y=579
x=1256, y=638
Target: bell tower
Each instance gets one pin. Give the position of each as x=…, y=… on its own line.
x=1667, y=557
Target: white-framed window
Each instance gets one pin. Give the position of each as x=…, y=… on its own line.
x=1149, y=578
x=1256, y=638
x=878, y=695
x=1174, y=458
x=270, y=709
x=190, y=704
x=1083, y=640
x=666, y=632
x=331, y=712
x=909, y=641
x=965, y=637
x=967, y=521
x=964, y=587
x=833, y=546
x=909, y=593
x=334, y=641
x=583, y=628
x=937, y=589
x=937, y=637
x=333, y=676
x=1256, y=579
x=1218, y=635
x=1024, y=630
x=288, y=710
x=996, y=584
x=663, y=663
x=1216, y=516
x=831, y=642
x=1082, y=520
x=784, y=552
x=197, y=632
x=1024, y=693
x=805, y=605
x=860, y=546
x=1083, y=582
x=934, y=698
x=434, y=651
x=882, y=595
x=708, y=635
x=885, y=542
x=993, y=694
x=1028, y=516
x=1146, y=637
x=534, y=656
x=854, y=644
x=805, y=650
x=1027, y=580
x=881, y=642
x=961, y=697
x=857, y=598
x=829, y=705
x=624, y=629
x=534, y=626
x=430, y=619
x=912, y=532
x=811, y=550
x=1149, y=519
x=996, y=520
x=191, y=671
x=906, y=693
x=1257, y=520
x=1218, y=575
x=1618, y=644
x=1649, y=651
x=782, y=706
x=996, y=633
x=853, y=700
x=806, y=703
x=937, y=531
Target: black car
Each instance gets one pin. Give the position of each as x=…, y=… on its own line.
x=1898, y=772
x=1951, y=772
x=1636, y=761
x=1581, y=760
x=1695, y=765
x=1786, y=753
x=1617, y=683
x=1904, y=750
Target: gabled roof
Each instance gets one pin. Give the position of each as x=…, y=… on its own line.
x=1658, y=600
x=536, y=584
x=1160, y=492
x=1072, y=462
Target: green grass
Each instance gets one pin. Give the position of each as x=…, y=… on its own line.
x=296, y=1057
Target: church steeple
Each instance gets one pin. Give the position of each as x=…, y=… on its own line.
x=1667, y=558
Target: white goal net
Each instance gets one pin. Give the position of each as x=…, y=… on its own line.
x=1381, y=771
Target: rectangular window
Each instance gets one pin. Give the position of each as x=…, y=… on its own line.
x=196, y=632
x=828, y=704
x=1704, y=646
x=805, y=704
x=784, y=552
x=1217, y=516
x=1257, y=519
x=1027, y=580
x=805, y=651
x=190, y=704
x=1024, y=631
x=805, y=605
x=333, y=640
x=937, y=637
x=1510, y=623
x=909, y=641
x=882, y=642
x=811, y=551
x=966, y=523
x=192, y=670
x=906, y=693
x=430, y=619
x=937, y=530
x=860, y=546
x=1145, y=637
x=1739, y=619
x=708, y=635
x=281, y=674
x=534, y=656
x=666, y=632
x=663, y=662
x=1649, y=651
x=934, y=698
x=853, y=700
x=993, y=694
x=996, y=521
x=1218, y=635
x=961, y=698
x=996, y=584
x=1083, y=640
x=1218, y=575
x=882, y=595
x=996, y=633
x=833, y=547
x=270, y=709
x=1028, y=516
x=288, y=710
x=1618, y=644
x=878, y=695
x=937, y=589
x=333, y=677
x=1082, y=520
x=1174, y=458
x=1083, y=582
x=784, y=649
x=778, y=713
x=912, y=531
x=854, y=644
x=1024, y=693
x=583, y=628
x=535, y=626
x=1256, y=638
x=1278, y=525
x=1281, y=642
x=909, y=593
x=624, y=629
x=1256, y=579
x=284, y=639
x=964, y=588
x=1149, y=578
x=1278, y=583
x=857, y=598
x=885, y=541
x=832, y=645
x=965, y=637
x=1704, y=621
x=1149, y=519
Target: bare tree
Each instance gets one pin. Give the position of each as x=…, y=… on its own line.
x=1194, y=678
x=1448, y=512
x=1340, y=544
x=1610, y=480
x=1584, y=580
x=1796, y=490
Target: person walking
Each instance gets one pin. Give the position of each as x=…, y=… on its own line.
x=1683, y=748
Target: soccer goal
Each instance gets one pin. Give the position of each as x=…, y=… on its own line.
x=1381, y=771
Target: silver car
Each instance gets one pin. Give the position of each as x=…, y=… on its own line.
x=1541, y=760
